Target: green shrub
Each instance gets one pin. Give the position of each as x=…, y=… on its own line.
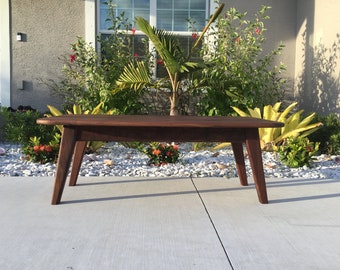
x=328, y=135
x=20, y=126
x=89, y=77
x=239, y=73
x=297, y=152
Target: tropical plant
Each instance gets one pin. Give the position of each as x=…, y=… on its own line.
x=297, y=151
x=294, y=126
x=77, y=109
x=238, y=71
x=178, y=65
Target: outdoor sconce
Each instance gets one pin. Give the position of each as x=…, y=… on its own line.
x=19, y=36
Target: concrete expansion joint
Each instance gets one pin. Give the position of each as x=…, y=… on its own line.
x=212, y=222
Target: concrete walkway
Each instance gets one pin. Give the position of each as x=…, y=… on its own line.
x=132, y=223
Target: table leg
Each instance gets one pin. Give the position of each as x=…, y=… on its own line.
x=240, y=165
x=255, y=158
x=66, y=150
x=76, y=163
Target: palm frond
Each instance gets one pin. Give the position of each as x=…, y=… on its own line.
x=165, y=43
x=134, y=76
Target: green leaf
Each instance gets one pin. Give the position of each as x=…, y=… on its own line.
x=54, y=111
x=240, y=112
x=134, y=76
x=165, y=43
x=306, y=121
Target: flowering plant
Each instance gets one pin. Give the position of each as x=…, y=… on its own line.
x=161, y=154
x=298, y=152
x=38, y=152
x=238, y=71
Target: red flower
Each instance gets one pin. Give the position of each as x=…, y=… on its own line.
x=156, y=152
x=36, y=148
x=237, y=40
x=135, y=55
x=133, y=30
x=194, y=35
x=258, y=31
x=42, y=148
x=72, y=58
x=48, y=148
x=175, y=147
x=168, y=154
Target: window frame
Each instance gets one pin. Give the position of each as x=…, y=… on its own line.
x=210, y=7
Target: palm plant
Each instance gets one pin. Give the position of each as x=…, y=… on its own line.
x=179, y=66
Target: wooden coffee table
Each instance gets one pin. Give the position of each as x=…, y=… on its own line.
x=79, y=129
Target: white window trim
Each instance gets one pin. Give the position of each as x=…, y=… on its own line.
x=90, y=21
x=5, y=55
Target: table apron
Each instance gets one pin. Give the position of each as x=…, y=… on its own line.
x=147, y=134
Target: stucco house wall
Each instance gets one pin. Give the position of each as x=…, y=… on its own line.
x=307, y=28
x=317, y=86
x=48, y=27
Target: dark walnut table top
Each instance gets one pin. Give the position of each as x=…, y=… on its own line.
x=158, y=121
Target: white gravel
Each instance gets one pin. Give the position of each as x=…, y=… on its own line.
x=116, y=160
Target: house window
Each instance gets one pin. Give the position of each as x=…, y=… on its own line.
x=130, y=8
x=183, y=17
x=171, y=15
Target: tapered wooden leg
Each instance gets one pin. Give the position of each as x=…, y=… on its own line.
x=64, y=160
x=255, y=158
x=76, y=163
x=240, y=165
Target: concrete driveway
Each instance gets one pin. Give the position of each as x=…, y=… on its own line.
x=169, y=223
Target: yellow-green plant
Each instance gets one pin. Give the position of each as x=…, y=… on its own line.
x=294, y=126
x=77, y=109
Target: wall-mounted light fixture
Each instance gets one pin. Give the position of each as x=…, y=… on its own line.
x=19, y=36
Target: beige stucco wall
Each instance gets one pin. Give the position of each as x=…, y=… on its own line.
x=308, y=29
x=317, y=84
x=49, y=27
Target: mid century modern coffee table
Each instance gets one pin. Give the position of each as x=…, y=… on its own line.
x=79, y=129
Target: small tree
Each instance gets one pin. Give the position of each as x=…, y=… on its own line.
x=178, y=65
